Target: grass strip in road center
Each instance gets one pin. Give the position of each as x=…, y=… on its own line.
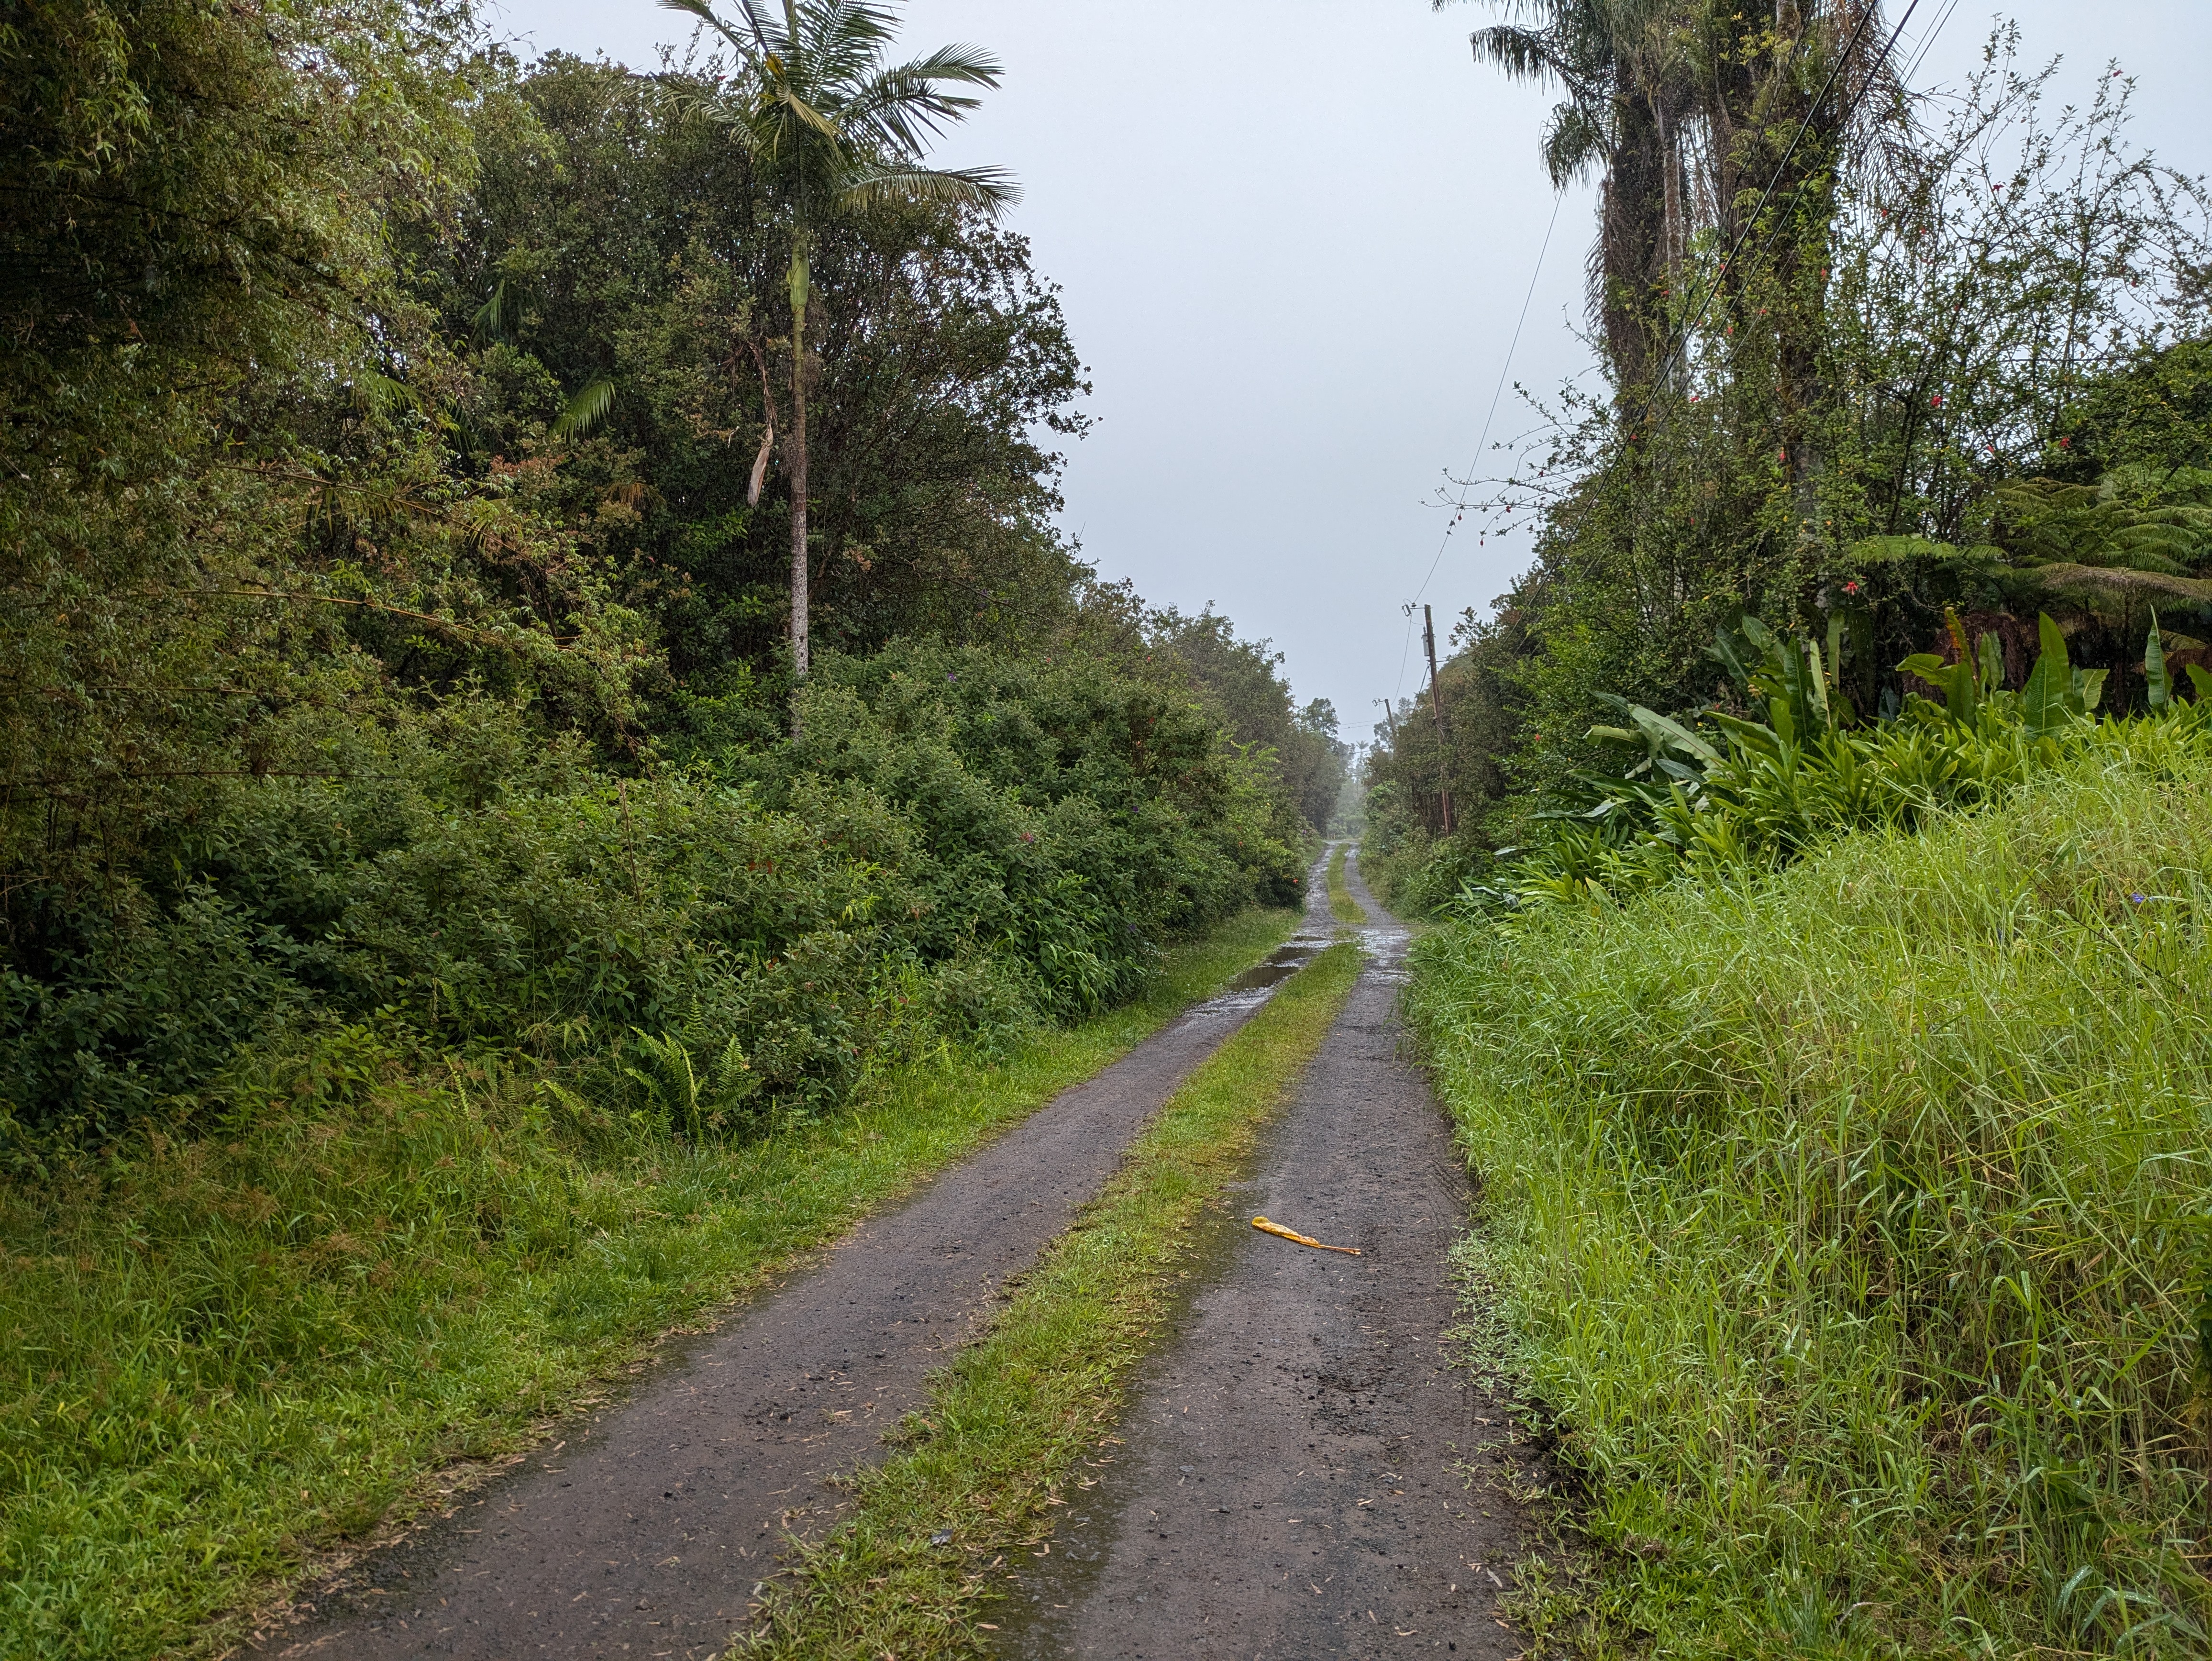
x=1341, y=905
x=1007, y=1423
x=203, y=1390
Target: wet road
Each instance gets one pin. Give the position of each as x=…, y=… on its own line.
x=1306, y=1473
x=645, y=1531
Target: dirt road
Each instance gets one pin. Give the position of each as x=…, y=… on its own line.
x=1295, y=1481
x=644, y=1530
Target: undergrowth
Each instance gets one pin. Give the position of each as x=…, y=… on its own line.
x=1854, y=1223
x=220, y=1353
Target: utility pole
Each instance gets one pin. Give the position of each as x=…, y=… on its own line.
x=1437, y=708
x=1390, y=716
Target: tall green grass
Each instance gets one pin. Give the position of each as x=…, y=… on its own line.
x=216, y=1355
x=1856, y=1224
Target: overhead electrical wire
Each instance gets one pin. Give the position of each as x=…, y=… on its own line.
x=1920, y=53
x=1459, y=507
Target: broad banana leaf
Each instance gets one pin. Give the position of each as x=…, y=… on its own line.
x=1992, y=652
x=2044, y=700
x=1665, y=730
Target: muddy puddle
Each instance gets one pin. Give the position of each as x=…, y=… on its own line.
x=1256, y=984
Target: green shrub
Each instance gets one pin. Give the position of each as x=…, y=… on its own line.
x=961, y=844
x=1744, y=792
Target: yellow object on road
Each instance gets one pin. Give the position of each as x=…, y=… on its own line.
x=1266, y=1227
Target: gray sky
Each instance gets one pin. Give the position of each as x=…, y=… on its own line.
x=1295, y=239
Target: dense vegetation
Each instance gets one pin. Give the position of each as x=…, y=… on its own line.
x=1851, y=1224
x=1947, y=355
x=395, y=626
x=1815, y=992
x=453, y=902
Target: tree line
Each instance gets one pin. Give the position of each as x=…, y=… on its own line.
x=1885, y=366
x=458, y=516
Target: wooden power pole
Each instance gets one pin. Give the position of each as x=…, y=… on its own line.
x=1437, y=708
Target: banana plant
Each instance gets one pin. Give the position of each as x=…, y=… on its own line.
x=2056, y=694
x=2159, y=678
x=1789, y=684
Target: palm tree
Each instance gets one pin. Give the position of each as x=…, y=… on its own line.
x=824, y=119
x=1622, y=67
x=1684, y=106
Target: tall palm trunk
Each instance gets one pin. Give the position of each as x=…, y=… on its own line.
x=796, y=462
x=1631, y=254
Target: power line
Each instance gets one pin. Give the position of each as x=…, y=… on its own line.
x=1459, y=507
x=1920, y=54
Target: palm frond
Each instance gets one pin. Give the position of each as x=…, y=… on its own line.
x=1525, y=55
x=382, y=393
x=971, y=65
x=492, y=318
x=748, y=51
x=991, y=189
x=587, y=410
x=1572, y=144
x=805, y=115
x=902, y=108
x=845, y=40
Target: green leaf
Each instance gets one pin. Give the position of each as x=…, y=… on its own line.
x=2087, y=690
x=2161, y=684
x=2052, y=640
x=2044, y=699
x=2199, y=681
x=1812, y=687
x=1960, y=695
x=587, y=410
x=1992, y=671
x=1670, y=731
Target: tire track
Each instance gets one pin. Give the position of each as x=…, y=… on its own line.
x=1295, y=1481
x=644, y=1532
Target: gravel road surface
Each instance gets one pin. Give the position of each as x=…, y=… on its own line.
x=1305, y=1473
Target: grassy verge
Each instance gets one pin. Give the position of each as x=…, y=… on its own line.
x=1854, y=1224
x=1009, y=1420
x=224, y=1353
x=1341, y=905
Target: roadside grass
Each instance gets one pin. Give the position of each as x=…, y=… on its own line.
x=1856, y=1226
x=1341, y=905
x=222, y=1355
x=1010, y=1420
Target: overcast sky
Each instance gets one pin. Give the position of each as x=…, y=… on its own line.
x=1295, y=239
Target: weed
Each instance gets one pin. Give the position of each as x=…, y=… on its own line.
x=1853, y=1223
x=219, y=1353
